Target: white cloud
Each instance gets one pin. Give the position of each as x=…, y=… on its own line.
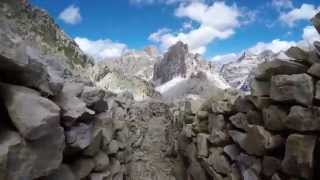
x=310, y=35
x=216, y=21
x=102, y=48
x=71, y=15
x=282, y=4
x=305, y=12
x=163, y=1
x=225, y=57
x=276, y=46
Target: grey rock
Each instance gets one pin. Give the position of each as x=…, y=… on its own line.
x=275, y=177
x=260, y=102
x=216, y=122
x=72, y=106
x=260, y=88
x=202, y=144
x=249, y=174
x=25, y=65
x=303, y=119
x=266, y=70
x=82, y=167
x=314, y=70
x=63, y=172
x=219, y=161
x=274, y=118
x=299, y=156
x=94, y=99
x=113, y=147
x=232, y=151
x=298, y=88
x=270, y=165
x=317, y=93
x=203, y=115
x=101, y=161
x=297, y=53
x=99, y=176
x=8, y=141
x=33, y=115
x=316, y=22
x=316, y=52
x=95, y=144
x=243, y=104
x=257, y=140
x=246, y=162
x=79, y=136
x=240, y=121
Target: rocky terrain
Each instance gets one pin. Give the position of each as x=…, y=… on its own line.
x=59, y=122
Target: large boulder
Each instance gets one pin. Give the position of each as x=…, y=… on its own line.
x=72, y=106
x=314, y=70
x=296, y=88
x=33, y=115
x=299, y=156
x=303, y=119
x=297, y=53
x=266, y=70
x=82, y=167
x=24, y=65
x=260, y=88
x=79, y=137
x=257, y=140
x=273, y=117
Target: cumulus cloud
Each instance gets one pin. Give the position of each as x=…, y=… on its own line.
x=162, y=1
x=102, y=48
x=305, y=12
x=71, y=15
x=282, y=4
x=216, y=21
x=276, y=46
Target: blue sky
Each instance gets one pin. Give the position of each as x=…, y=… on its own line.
x=106, y=28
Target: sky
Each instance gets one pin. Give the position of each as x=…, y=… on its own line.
x=214, y=28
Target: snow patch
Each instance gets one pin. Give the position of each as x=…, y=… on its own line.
x=170, y=84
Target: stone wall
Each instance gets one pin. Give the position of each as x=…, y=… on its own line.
x=270, y=134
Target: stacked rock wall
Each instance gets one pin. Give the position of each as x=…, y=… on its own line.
x=270, y=134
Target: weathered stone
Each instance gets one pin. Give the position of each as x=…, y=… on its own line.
x=104, y=124
x=298, y=88
x=33, y=115
x=316, y=22
x=219, y=161
x=246, y=162
x=72, y=106
x=260, y=102
x=266, y=70
x=270, y=165
x=260, y=88
x=219, y=138
x=113, y=147
x=63, y=172
x=297, y=53
x=249, y=174
x=257, y=140
x=243, y=104
x=316, y=52
x=8, y=141
x=99, y=176
x=82, y=167
x=202, y=115
x=24, y=65
x=235, y=173
x=232, y=151
x=314, y=70
x=187, y=131
x=240, y=121
x=94, y=99
x=298, y=160
x=216, y=122
x=95, y=144
x=303, y=119
x=274, y=118
x=254, y=117
x=79, y=137
x=317, y=93
x=101, y=161
x=202, y=144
